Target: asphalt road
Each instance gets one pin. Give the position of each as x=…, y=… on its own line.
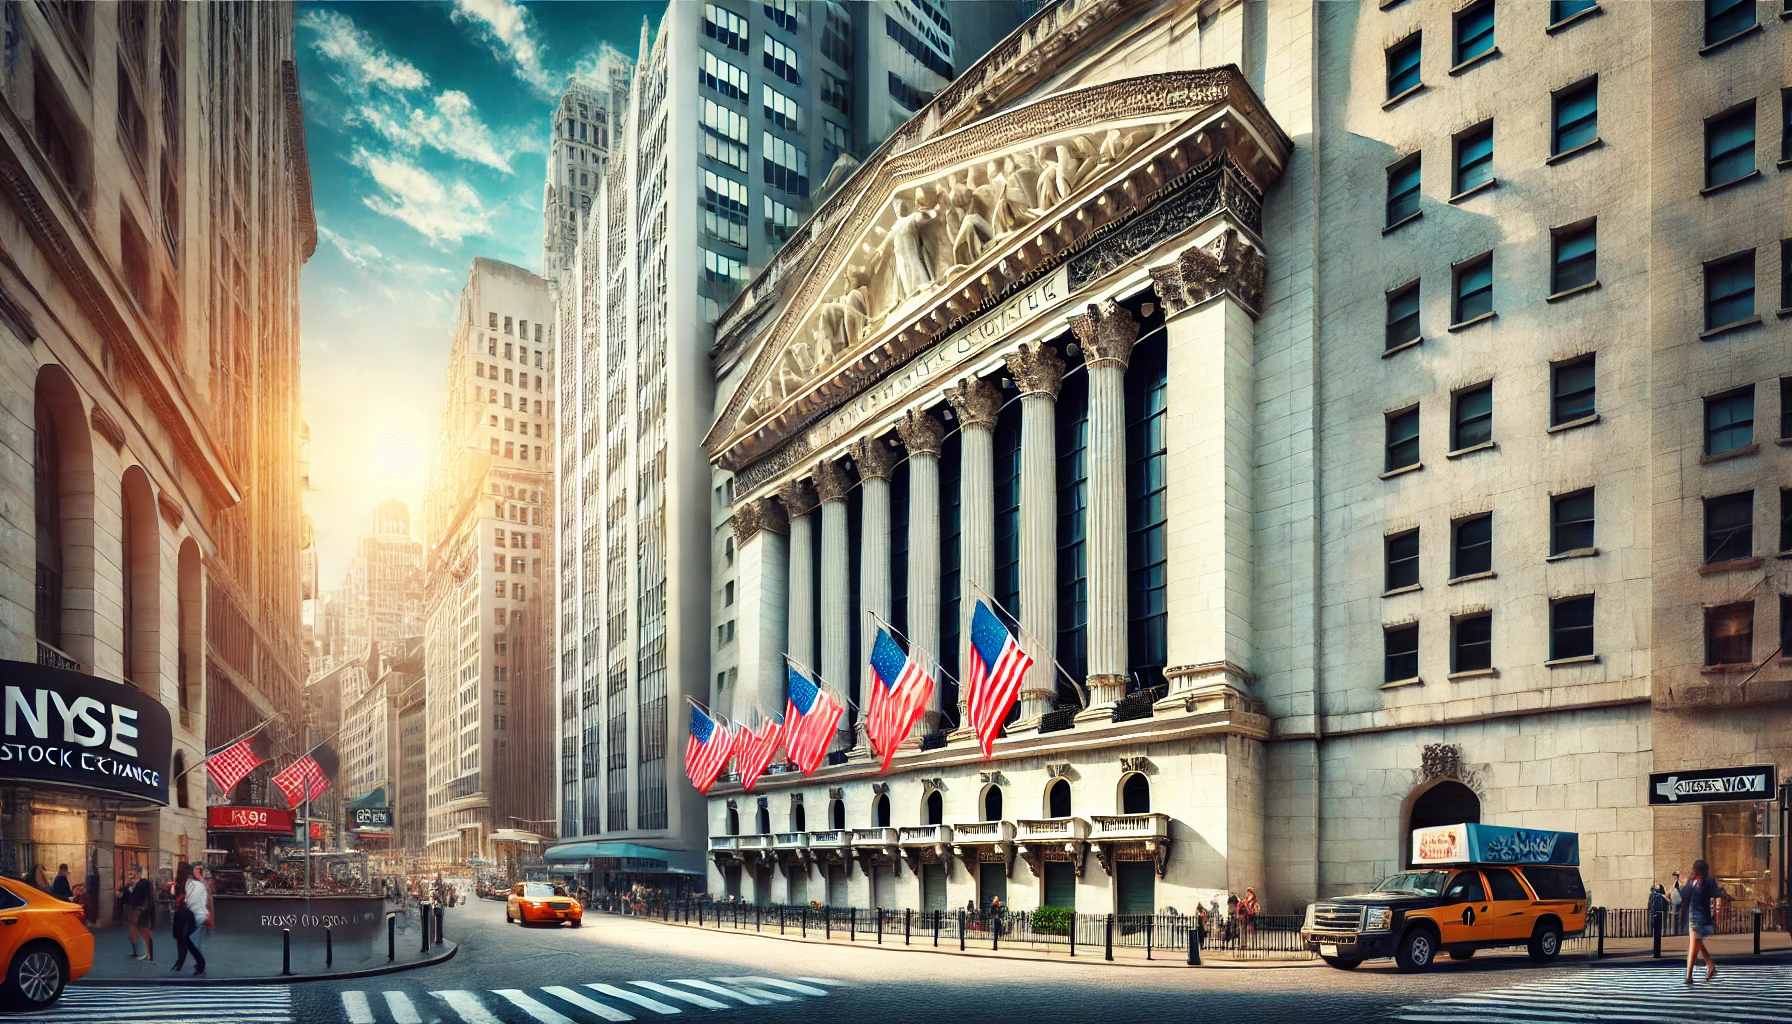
x=617, y=969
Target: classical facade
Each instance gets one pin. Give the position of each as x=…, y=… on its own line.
x=489, y=570
x=1298, y=397
x=156, y=214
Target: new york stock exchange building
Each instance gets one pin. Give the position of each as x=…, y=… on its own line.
x=1067, y=344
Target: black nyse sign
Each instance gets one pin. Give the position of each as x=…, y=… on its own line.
x=81, y=730
x=1713, y=785
x=373, y=817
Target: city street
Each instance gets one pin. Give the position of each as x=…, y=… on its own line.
x=617, y=969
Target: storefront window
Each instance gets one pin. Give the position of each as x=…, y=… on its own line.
x=1740, y=850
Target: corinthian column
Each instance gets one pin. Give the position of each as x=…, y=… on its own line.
x=922, y=434
x=978, y=403
x=836, y=623
x=874, y=461
x=798, y=499
x=1106, y=334
x=761, y=556
x=1038, y=372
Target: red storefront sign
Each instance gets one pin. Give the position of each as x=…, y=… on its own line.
x=249, y=819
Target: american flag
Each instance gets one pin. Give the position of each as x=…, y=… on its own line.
x=899, y=690
x=229, y=766
x=711, y=746
x=809, y=722
x=996, y=668
x=302, y=780
x=754, y=749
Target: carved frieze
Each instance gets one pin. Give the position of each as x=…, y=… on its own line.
x=1037, y=369
x=1208, y=189
x=977, y=402
x=873, y=457
x=750, y=517
x=782, y=458
x=1227, y=264
x=921, y=432
x=1107, y=333
x=797, y=497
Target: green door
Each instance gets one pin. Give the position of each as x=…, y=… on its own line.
x=992, y=884
x=1135, y=884
x=933, y=887
x=1060, y=884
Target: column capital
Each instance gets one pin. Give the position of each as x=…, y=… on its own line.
x=921, y=432
x=1226, y=264
x=874, y=459
x=750, y=517
x=977, y=402
x=1037, y=370
x=830, y=483
x=797, y=497
x=1107, y=333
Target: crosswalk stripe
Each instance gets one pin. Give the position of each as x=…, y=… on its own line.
x=541, y=1012
x=682, y=996
x=807, y=990
x=354, y=1003
x=468, y=1006
x=730, y=993
x=587, y=1004
x=634, y=997
x=403, y=1010
x=1756, y=994
x=823, y=981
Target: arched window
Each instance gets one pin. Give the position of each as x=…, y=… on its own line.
x=798, y=823
x=1146, y=452
x=992, y=804
x=837, y=814
x=63, y=517
x=936, y=808
x=142, y=571
x=880, y=811
x=1057, y=799
x=733, y=822
x=1135, y=794
x=1446, y=802
x=764, y=820
x=47, y=466
x=190, y=641
x=180, y=779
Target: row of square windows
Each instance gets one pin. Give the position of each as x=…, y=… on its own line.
x=521, y=378
x=512, y=450
x=522, y=406
x=522, y=331
x=522, y=356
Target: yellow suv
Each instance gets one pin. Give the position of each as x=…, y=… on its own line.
x=1472, y=887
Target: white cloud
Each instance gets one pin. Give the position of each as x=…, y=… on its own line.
x=340, y=40
x=454, y=128
x=508, y=29
x=361, y=254
x=413, y=196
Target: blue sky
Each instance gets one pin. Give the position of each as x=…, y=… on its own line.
x=427, y=125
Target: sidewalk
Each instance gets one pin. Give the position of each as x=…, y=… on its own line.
x=1674, y=946
x=256, y=958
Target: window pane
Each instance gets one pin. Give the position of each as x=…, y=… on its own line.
x=1576, y=117
x=1571, y=628
x=1571, y=522
x=1472, y=643
x=1474, y=159
x=1577, y=258
x=1474, y=418
x=1730, y=290
x=1725, y=18
x=1403, y=439
x=1403, y=560
x=1785, y=519
x=1786, y=406
x=1403, y=66
x=1729, y=421
x=1562, y=10
x=1730, y=144
x=1474, y=32
x=1403, y=315
x=1474, y=547
x=1403, y=191
x=1573, y=392
x=1730, y=634
x=1401, y=653
x=1729, y=527
x=1474, y=290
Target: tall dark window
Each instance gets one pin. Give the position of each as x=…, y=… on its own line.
x=1400, y=653
x=1403, y=315
x=1473, y=295
x=1729, y=527
x=1730, y=140
x=1572, y=391
x=1072, y=412
x=1471, y=643
x=1786, y=271
x=1730, y=290
x=1403, y=65
x=1474, y=31
x=1786, y=406
x=899, y=546
x=1472, y=422
x=951, y=532
x=1726, y=18
x=1571, y=522
x=1785, y=519
x=1006, y=584
x=1571, y=627
x=47, y=483
x=1403, y=190
x=1402, y=560
x=1730, y=634
x=1471, y=548
x=1145, y=455
x=1575, y=260
x=1403, y=439
x=1562, y=10
x=1786, y=123
x=1574, y=116
x=1474, y=158
x=1730, y=420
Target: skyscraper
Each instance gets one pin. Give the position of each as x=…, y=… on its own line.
x=386, y=580
x=579, y=155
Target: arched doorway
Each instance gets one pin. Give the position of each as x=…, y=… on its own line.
x=1057, y=799
x=992, y=804
x=1135, y=794
x=1442, y=802
x=880, y=811
x=837, y=814
x=936, y=808
x=733, y=821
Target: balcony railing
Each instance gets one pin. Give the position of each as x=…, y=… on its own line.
x=874, y=837
x=973, y=833
x=724, y=842
x=790, y=841
x=1131, y=826
x=925, y=835
x=832, y=839
x=758, y=842
x=1051, y=830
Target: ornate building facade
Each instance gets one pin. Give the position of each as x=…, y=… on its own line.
x=1264, y=363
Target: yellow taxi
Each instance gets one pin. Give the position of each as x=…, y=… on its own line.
x=542, y=903
x=1471, y=887
x=44, y=943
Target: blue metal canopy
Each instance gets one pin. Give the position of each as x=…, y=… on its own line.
x=627, y=857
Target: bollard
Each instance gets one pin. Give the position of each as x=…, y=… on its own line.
x=1601, y=919
x=1757, y=931
x=852, y=924
x=780, y=920
x=906, y=912
x=439, y=912
x=1109, y=954
x=423, y=919
x=391, y=937
x=995, y=931
x=755, y=917
x=285, y=951
x=805, y=922
x=961, y=931
x=936, y=929
x=1655, y=929
x=1194, y=944
x=1150, y=927
x=880, y=925
x=329, y=949
x=827, y=916
x=1073, y=935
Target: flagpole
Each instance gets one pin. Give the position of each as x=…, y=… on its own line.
x=996, y=606
x=820, y=682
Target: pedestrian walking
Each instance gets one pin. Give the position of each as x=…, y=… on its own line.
x=190, y=902
x=1247, y=914
x=1231, y=916
x=138, y=897
x=1701, y=897
x=59, y=886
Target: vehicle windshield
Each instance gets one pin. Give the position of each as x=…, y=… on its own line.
x=540, y=889
x=1425, y=883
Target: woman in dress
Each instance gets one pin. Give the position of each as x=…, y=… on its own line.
x=1699, y=896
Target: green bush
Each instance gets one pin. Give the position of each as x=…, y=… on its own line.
x=1052, y=920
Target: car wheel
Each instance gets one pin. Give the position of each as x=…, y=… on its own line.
x=1546, y=942
x=1418, y=947
x=576, y=922
x=1343, y=963
x=35, y=978
x=1462, y=954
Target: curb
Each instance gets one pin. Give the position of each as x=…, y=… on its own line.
x=277, y=979
x=1642, y=958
